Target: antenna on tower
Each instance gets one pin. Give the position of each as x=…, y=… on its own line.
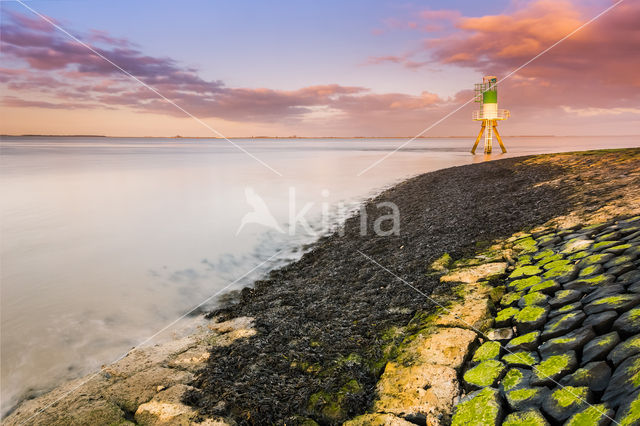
x=486, y=93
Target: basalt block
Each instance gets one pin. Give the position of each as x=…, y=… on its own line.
x=594, y=375
x=525, y=271
x=510, y=299
x=629, y=279
x=624, y=350
x=594, y=259
x=526, y=342
x=573, y=341
x=564, y=297
x=598, y=348
x=619, y=303
x=528, y=417
x=565, y=309
x=515, y=378
x=487, y=373
x=524, y=283
x=486, y=351
x=591, y=270
x=609, y=290
x=546, y=287
x=562, y=324
x=603, y=245
x=504, y=317
x=530, y=318
x=595, y=415
x=532, y=299
x=621, y=269
x=620, y=260
x=559, y=263
x=564, y=402
x=590, y=284
x=551, y=369
x=521, y=359
x=624, y=381
x=481, y=408
x=629, y=411
x=628, y=323
x=527, y=398
x=562, y=274
x=601, y=322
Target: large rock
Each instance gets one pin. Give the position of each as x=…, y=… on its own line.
x=564, y=297
x=529, y=417
x=524, y=284
x=547, y=287
x=598, y=348
x=564, y=402
x=487, y=373
x=444, y=346
x=551, y=369
x=515, y=378
x=166, y=408
x=619, y=303
x=590, y=284
x=521, y=359
x=525, y=342
x=510, y=299
x=505, y=316
x=594, y=375
x=624, y=381
x=535, y=298
x=530, y=318
x=565, y=309
x=562, y=324
x=527, y=398
x=525, y=271
x=573, y=341
x=594, y=415
x=476, y=273
x=601, y=322
x=483, y=407
x=628, y=323
x=488, y=350
x=609, y=290
x=624, y=350
x=417, y=389
x=629, y=411
x=562, y=274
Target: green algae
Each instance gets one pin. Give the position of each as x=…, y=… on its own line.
x=512, y=379
x=619, y=260
x=333, y=406
x=570, y=395
x=510, y=298
x=558, y=321
x=525, y=259
x=487, y=351
x=523, y=394
x=483, y=409
x=542, y=286
x=595, y=281
x=632, y=416
x=592, y=415
x=525, y=338
x=606, y=339
x=589, y=270
x=520, y=358
x=530, y=314
x=525, y=418
x=556, y=264
x=543, y=253
x=579, y=255
x=484, y=374
x=559, y=271
x=605, y=244
x=535, y=298
x=570, y=307
x=506, y=314
x=594, y=258
x=442, y=263
x=525, y=271
x=525, y=245
x=613, y=300
x=549, y=259
x=525, y=283
x=552, y=366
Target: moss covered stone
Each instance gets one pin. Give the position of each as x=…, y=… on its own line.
x=579, y=255
x=525, y=245
x=562, y=324
x=487, y=351
x=525, y=418
x=525, y=271
x=556, y=264
x=591, y=270
x=510, y=299
x=547, y=287
x=504, y=317
x=595, y=258
x=543, y=253
x=525, y=259
x=566, y=401
x=528, y=341
x=619, y=260
x=553, y=368
x=481, y=408
x=487, y=373
x=595, y=415
x=333, y=406
x=562, y=274
x=619, y=303
x=624, y=350
x=521, y=359
x=629, y=411
x=530, y=318
x=605, y=245
x=514, y=379
x=524, y=283
x=532, y=299
x=629, y=322
x=590, y=283
x=526, y=398
x=549, y=259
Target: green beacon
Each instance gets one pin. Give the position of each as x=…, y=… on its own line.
x=486, y=94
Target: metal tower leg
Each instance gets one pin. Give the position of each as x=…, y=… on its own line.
x=495, y=129
x=475, y=145
x=488, y=139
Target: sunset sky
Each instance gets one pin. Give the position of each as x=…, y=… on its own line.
x=330, y=68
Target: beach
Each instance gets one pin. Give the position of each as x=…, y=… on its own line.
x=310, y=342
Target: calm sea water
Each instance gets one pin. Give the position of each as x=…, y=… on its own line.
x=104, y=241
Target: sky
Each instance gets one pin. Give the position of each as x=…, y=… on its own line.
x=308, y=68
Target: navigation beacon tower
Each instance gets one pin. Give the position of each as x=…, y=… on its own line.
x=489, y=114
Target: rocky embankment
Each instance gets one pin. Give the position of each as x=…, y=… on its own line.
x=462, y=317
x=567, y=347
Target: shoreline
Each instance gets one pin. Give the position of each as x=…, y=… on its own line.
x=280, y=346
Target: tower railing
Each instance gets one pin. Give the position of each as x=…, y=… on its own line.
x=501, y=114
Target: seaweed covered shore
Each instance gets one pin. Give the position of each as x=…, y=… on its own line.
x=319, y=341
x=323, y=323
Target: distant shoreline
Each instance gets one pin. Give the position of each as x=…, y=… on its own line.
x=297, y=137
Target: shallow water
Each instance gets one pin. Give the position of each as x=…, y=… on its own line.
x=104, y=241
